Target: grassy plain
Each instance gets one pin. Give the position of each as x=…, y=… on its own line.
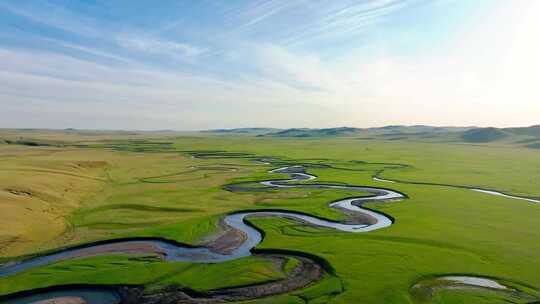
x=145, y=270
x=130, y=187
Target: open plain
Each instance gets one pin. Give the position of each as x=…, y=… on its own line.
x=110, y=212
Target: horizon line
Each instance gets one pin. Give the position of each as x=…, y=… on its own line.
x=276, y=128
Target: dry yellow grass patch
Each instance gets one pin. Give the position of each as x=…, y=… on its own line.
x=51, y=196
x=39, y=187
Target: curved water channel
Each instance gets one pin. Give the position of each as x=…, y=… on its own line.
x=485, y=191
x=171, y=251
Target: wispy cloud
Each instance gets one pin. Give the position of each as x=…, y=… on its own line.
x=302, y=22
x=161, y=47
x=262, y=64
x=82, y=49
x=53, y=16
x=59, y=82
x=259, y=11
x=345, y=21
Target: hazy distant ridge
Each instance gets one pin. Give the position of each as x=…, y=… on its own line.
x=527, y=136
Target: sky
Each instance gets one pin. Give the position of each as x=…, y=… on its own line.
x=188, y=65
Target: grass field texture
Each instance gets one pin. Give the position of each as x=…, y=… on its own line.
x=89, y=189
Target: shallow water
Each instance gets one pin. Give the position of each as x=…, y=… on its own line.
x=90, y=296
x=506, y=195
x=490, y=192
x=475, y=281
x=383, y=180
x=174, y=252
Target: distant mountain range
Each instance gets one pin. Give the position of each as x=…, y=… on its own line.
x=243, y=131
x=528, y=136
x=341, y=131
x=480, y=135
x=344, y=131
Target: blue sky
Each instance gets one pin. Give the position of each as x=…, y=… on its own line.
x=216, y=64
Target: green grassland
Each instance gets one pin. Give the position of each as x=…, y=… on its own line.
x=145, y=270
x=125, y=185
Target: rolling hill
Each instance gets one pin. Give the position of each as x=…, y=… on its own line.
x=483, y=135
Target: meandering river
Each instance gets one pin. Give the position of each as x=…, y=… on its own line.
x=171, y=251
